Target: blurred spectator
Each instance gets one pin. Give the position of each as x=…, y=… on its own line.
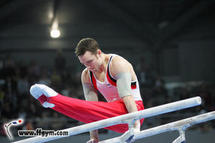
x=206, y=95
x=22, y=85
x=9, y=75
x=160, y=91
x=66, y=91
x=60, y=62
x=33, y=71
x=184, y=93
x=145, y=74
x=9, y=68
x=2, y=94
x=56, y=81
x=29, y=126
x=44, y=79
x=7, y=111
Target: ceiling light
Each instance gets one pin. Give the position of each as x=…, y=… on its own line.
x=55, y=33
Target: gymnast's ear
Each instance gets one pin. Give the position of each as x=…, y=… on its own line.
x=99, y=52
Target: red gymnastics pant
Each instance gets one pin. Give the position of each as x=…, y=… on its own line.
x=90, y=111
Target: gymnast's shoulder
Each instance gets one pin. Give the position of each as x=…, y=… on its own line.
x=119, y=63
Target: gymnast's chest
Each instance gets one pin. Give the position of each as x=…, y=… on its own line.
x=101, y=77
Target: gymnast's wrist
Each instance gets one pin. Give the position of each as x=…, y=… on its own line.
x=137, y=125
x=94, y=135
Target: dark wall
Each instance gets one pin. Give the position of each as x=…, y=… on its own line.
x=197, y=60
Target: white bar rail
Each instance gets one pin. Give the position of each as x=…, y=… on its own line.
x=177, y=125
x=158, y=110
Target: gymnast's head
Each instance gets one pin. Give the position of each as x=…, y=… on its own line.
x=89, y=53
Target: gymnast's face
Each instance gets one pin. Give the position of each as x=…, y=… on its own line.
x=91, y=61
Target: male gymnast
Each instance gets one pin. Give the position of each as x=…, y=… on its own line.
x=111, y=75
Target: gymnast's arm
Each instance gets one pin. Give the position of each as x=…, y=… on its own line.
x=90, y=95
x=123, y=72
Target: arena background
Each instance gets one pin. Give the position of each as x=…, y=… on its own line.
x=170, y=43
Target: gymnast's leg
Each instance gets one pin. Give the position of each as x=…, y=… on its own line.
x=81, y=110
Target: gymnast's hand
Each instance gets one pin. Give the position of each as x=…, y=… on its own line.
x=42, y=92
x=93, y=141
x=137, y=126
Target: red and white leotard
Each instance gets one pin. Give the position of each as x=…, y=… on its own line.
x=108, y=88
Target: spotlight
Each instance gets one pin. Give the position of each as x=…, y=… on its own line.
x=55, y=33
